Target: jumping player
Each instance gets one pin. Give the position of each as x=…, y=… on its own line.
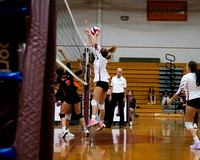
x=101, y=78
x=71, y=97
x=191, y=84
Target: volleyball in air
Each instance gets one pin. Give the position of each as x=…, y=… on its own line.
x=94, y=30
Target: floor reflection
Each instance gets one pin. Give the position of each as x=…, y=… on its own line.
x=148, y=138
x=117, y=137
x=194, y=154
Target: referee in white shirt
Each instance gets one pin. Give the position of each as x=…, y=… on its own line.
x=118, y=89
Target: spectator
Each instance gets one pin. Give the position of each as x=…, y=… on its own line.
x=118, y=89
x=132, y=106
x=165, y=97
x=182, y=100
x=152, y=96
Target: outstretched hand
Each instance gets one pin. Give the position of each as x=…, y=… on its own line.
x=79, y=60
x=96, y=34
x=87, y=31
x=59, y=49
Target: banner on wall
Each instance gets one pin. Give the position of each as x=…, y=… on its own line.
x=167, y=10
x=116, y=117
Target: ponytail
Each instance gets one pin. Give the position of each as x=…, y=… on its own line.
x=197, y=72
x=108, y=53
x=194, y=69
x=112, y=49
x=109, y=56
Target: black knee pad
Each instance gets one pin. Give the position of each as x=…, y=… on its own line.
x=62, y=116
x=79, y=116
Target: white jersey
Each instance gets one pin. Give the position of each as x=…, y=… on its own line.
x=100, y=71
x=118, y=84
x=188, y=83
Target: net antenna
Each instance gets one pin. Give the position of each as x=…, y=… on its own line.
x=86, y=55
x=68, y=37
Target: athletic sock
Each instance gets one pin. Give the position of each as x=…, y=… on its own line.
x=93, y=117
x=196, y=139
x=84, y=128
x=63, y=128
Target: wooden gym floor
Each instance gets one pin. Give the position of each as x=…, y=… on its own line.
x=152, y=138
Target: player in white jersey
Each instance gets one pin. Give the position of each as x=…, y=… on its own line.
x=102, y=56
x=190, y=83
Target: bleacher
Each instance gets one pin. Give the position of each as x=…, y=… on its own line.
x=139, y=76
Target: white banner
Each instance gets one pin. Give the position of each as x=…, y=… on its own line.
x=117, y=118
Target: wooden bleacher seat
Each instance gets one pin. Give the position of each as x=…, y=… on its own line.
x=139, y=76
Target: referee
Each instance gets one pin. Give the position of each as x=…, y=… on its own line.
x=118, y=89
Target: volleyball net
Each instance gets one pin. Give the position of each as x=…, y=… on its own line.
x=72, y=45
x=68, y=36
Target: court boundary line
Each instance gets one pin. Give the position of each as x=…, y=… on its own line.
x=72, y=147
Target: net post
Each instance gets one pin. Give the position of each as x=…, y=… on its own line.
x=86, y=91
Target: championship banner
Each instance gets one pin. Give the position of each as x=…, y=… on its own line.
x=166, y=10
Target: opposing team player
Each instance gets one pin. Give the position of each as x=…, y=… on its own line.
x=71, y=97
